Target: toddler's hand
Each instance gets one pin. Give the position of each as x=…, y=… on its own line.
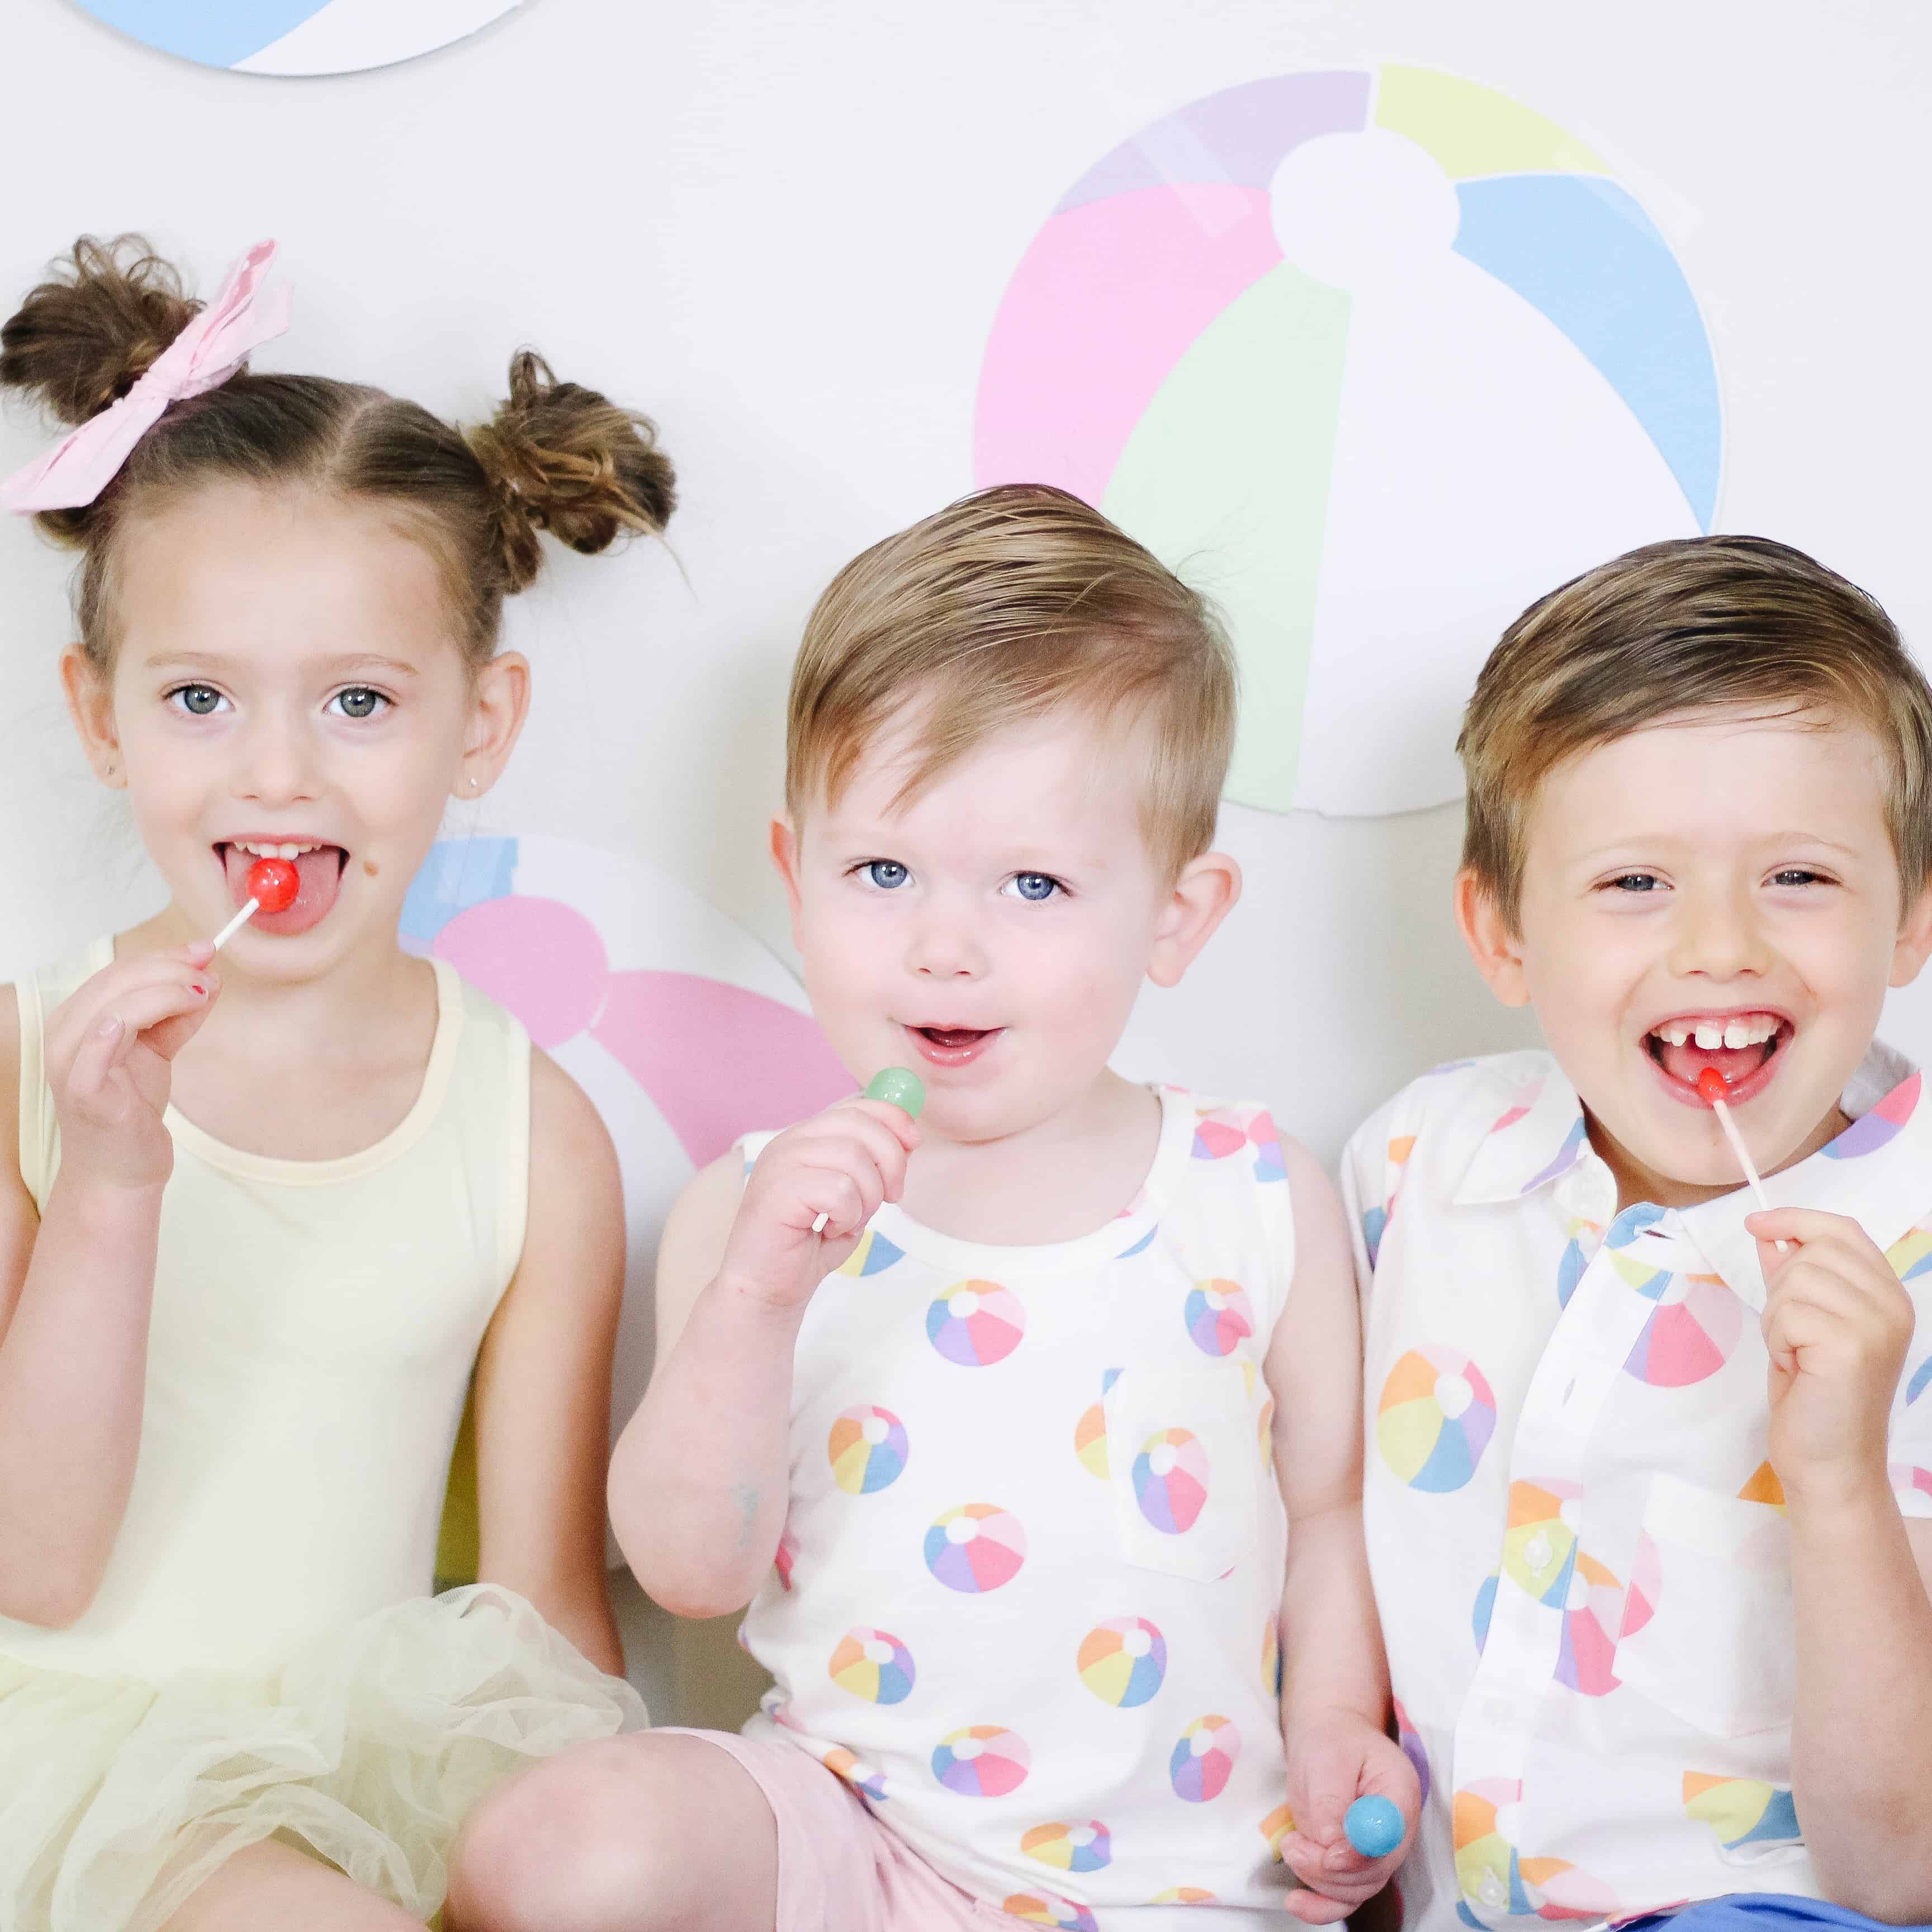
x=110, y=1047
x=842, y=1164
x=1333, y=1760
x=1837, y=1322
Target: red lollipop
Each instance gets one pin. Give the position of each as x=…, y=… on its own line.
x=273, y=884
x=1710, y=1083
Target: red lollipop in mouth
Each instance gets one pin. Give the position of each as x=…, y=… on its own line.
x=273, y=884
x=1710, y=1082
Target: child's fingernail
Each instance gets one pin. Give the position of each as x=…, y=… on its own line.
x=110, y=1027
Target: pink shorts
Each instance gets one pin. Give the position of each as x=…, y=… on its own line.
x=839, y=1869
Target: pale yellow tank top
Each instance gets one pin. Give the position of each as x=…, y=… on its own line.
x=315, y=1325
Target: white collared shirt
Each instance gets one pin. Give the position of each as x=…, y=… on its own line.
x=1579, y=1547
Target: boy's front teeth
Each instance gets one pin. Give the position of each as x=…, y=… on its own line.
x=273, y=851
x=1710, y=1035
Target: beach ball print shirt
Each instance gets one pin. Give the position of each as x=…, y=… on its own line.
x=1026, y=1602
x=1579, y=1547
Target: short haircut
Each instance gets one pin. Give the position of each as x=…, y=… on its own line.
x=1010, y=603
x=1735, y=623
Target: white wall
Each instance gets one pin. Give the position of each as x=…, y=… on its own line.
x=784, y=231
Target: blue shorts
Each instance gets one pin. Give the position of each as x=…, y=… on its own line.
x=1757, y=1912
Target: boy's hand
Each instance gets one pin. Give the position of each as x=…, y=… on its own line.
x=110, y=1045
x=842, y=1163
x=1333, y=1760
x=1837, y=1322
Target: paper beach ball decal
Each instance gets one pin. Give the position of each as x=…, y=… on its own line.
x=685, y=1032
x=1375, y=357
x=298, y=37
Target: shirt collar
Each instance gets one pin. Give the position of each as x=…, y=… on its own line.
x=1878, y=1171
x=1537, y=1135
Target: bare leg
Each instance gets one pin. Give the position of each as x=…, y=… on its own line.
x=640, y=1834
x=269, y=1885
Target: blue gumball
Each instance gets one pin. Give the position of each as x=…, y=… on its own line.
x=1373, y=1826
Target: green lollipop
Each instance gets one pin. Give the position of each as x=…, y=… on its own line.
x=900, y=1087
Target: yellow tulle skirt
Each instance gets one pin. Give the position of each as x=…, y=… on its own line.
x=118, y=1798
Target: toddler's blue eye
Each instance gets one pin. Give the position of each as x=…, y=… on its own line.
x=1794, y=875
x=888, y=874
x=1636, y=882
x=199, y=700
x=1035, y=886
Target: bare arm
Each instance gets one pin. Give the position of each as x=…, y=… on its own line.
x=699, y=1484
x=543, y=1377
x=1334, y=1700
x=1837, y=1323
x=77, y=1284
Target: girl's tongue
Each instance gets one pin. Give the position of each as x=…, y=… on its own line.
x=320, y=872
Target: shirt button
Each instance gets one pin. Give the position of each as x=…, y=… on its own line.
x=1537, y=1552
x=1490, y=1890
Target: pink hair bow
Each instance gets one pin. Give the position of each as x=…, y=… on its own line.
x=202, y=357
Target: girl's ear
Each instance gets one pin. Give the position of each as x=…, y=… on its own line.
x=1495, y=947
x=90, y=703
x=1203, y=895
x=499, y=702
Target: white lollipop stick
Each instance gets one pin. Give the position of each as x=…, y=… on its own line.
x=1721, y=1108
x=235, y=924
x=818, y=1225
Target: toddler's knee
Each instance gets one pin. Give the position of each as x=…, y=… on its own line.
x=584, y=1842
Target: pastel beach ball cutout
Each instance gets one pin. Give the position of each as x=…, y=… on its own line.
x=298, y=37
x=1374, y=357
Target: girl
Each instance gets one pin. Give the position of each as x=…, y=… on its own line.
x=259, y=1224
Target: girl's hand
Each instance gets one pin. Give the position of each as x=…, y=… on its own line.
x=1334, y=1759
x=1837, y=1322
x=842, y=1163
x=109, y=1049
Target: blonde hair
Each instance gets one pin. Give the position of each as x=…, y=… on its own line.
x=555, y=456
x=1003, y=607
x=1732, y=622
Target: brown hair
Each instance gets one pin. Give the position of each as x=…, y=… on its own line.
x=555, y=456
x=1004, y=606
x=1735, y=622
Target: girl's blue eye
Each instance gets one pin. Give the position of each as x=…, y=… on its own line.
x=1035, y=886
x=1795, y=875
x=1636, y=882
x=198, y=700
x=888, y=874
x=358, y=702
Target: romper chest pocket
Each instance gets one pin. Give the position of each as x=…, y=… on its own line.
x=1183, y=1461
x=1719, y=1647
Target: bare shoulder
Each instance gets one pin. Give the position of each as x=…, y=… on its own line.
x=565, y=1128
x=1321, y=1222
x=574, y=1243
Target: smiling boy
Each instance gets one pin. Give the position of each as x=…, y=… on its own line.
x=1648, y=1500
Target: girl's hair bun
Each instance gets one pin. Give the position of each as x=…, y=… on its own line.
x=83, y=338
x=564, y=459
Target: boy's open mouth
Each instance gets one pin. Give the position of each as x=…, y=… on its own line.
x=319, y=866
x=1741, y=1045
x=953, y=1045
